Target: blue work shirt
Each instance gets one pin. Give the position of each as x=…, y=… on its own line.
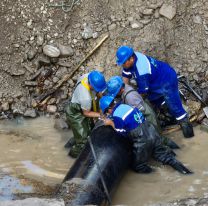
x=126, y=118
x=151, y=75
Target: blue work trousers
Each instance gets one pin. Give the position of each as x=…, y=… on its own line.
x=171, y=97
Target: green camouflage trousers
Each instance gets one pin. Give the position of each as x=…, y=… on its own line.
x=81, y=127
x=151, y=116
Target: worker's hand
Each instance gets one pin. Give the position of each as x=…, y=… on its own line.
x=102, y=116
x=109, y=122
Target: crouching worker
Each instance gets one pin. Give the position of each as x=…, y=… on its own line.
x=83, y=108
x=157, y=80
x=146, y=141
x=124, y=92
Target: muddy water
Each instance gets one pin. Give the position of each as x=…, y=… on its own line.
x=33, y=149
x=166, y=184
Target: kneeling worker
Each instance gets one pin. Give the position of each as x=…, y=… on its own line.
x=83, y=108
x=124, y=92
x=146, y=141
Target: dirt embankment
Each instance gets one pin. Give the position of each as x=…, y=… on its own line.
x=173, y=31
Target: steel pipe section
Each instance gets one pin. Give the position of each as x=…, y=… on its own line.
x=83, y=183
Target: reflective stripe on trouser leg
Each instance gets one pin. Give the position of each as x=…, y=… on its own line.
x=174, y=104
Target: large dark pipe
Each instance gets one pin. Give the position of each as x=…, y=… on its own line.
x=83, y=183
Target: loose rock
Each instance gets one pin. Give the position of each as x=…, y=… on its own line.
x=51, y=109
x=167, y=11
x=30, y=113
x=5, y=106
x=51, y=51
x=88, y=32
x=66, y=51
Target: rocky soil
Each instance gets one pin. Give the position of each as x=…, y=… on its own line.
x=40, y=44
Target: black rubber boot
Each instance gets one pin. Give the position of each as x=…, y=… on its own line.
x=187, y=128
x=143, y=168
x=179, y=167
x=170, y=143
x=70, y=143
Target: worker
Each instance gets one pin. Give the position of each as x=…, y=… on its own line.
x=131, y=123
x=128, y=95
x=157, y=80
x=116, y=88
x=83, y=108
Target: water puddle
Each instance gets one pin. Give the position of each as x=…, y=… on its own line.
x=10, y=185
x=33, y=151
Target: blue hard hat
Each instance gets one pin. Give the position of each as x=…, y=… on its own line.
x=105, y=102
x=114, y=85
x=97, y=81
x=123, y=54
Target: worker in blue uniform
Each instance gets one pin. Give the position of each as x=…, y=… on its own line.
x=157, y=80
x=131, y=123
x=128, y=95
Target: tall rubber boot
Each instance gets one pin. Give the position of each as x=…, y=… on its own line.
x=186, y=127
x=71, y=142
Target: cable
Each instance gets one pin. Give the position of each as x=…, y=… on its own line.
x=98, y=167
x=66, y=7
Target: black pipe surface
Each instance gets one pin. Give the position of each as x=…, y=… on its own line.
x=82, y=184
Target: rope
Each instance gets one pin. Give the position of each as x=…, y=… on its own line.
x=99, y=169
x=66, y=7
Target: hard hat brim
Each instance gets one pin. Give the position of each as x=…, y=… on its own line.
x=101, y=89
x=119, y=63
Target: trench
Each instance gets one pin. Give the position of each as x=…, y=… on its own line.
x=33, y=161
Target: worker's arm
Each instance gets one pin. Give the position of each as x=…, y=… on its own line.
x=92, y=114
x=126, y=76
x=143, y=84
x=126, y=80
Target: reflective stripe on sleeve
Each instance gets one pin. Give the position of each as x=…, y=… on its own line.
x=127, y=113
x=127, y=73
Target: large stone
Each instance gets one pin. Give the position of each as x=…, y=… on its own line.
x=51, y=51
x=5, y=106
x=30, y=113
x=51, y=109
x=168, y=11
x=88, y=32
x=66, y=51
x=18, y=108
